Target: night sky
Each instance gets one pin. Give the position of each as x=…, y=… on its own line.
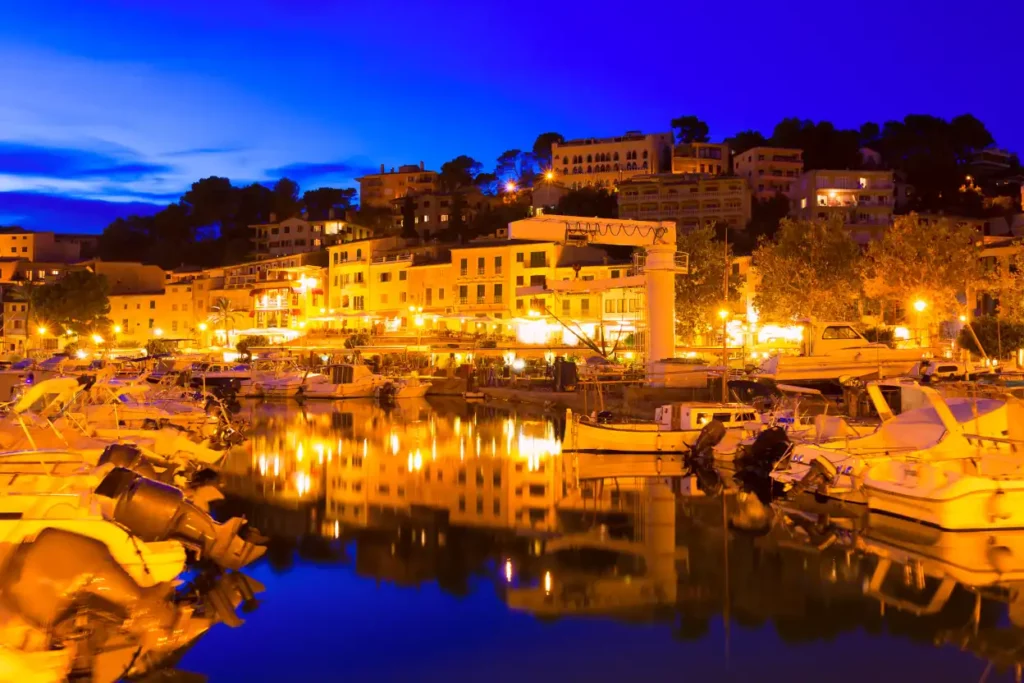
x=110, y=107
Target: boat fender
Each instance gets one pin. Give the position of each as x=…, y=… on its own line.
x=998, y=508
x=1000, y=557
x=657, y=465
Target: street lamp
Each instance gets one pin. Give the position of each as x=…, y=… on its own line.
x=202, y=327
x=158, y=332
x=117, y=329
x=97, y=339
x=549, y=175
x=510, y=186
x=920, y=305
x=723, y=313
x=41, y=330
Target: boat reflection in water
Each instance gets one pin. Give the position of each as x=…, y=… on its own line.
x=437, y=494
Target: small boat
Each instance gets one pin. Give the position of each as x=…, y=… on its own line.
x=675, y=428
x=343, y=380
x=397, y=389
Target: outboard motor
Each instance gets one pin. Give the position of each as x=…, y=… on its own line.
x=387, y=392
x=700, y=460
x=605, y=417
x=154, y=511
x=756, y=461
x=819, y=475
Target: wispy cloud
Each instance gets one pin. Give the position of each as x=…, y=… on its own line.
x=203, y=151
x=41, y=211
x=304, y=172
x=68, y=163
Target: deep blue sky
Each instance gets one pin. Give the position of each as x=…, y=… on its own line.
x=125, y=101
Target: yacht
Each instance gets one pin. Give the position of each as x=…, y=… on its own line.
x=402, y=388
x=343, y=380
x=279, y=378
x=956, y=431
x=834, y=350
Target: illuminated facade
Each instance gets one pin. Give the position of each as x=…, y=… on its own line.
x=167, y=314
x=701, y=158
x=604, y=162
x=432, y=212
x=690, y=201
x=769, y=170
x=298, y=236
x=287, y=300
x=863, y=199
x=379, y=190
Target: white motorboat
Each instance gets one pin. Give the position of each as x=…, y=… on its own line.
x=397, y=389
x=675, y=428
x=220, y=374
x=276, y=378
x=343, y=380
x=954, y=430
x=834, y=350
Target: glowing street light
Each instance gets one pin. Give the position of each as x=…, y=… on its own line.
x=202, y=327
x=920, y=305
x=723, y=314
x=963, y=318
x=158, y=332
x=41, y=330
x=510, y=186
x=549, y=175
x=97, y=339
x=117, y=329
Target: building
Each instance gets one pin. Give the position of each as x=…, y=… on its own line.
x=863, y=199
x=38, y=246
x=769, y=170
x=299, y=236
x=76, y=246
x=991, y=161
x=167, y=313
x=15, y=324
x=432, y=211
x=381, y=189
x=604, y=162
x=690, y=201
x=701, y=158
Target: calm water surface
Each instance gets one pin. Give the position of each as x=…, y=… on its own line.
x=440, y=541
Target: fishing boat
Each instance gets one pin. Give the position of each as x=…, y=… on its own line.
x=675, y=427
x=954, y=430
x=343, y=380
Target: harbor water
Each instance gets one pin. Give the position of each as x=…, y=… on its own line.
x=448, y=541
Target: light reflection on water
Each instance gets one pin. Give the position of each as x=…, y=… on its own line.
x=476, y=511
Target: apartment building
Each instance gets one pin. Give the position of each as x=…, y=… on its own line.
x=298, y=235
x=433, y=211
x=863, y=199
x=701, y=158
x=769, y=170
x=380, y=189
x=605, y=162
x=39, y=246
x=690, y=201
x=167, y=313
x=15, y=324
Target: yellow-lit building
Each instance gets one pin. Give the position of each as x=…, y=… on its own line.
x=604, y=162
x=15, y=325
x=18, y=243
x=701, y=158
x=690, y=201
x=769, y=170
x=432, y=212
x=863, y=199
x=167, y=314
x=380, y=189
x=298, y=235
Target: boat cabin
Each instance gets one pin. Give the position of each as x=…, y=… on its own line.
x=685, y=416
x=345, y=373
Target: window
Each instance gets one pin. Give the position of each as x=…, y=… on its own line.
x=357, y=303
x=124, y=323
x=519, y=304
x=358, y=278
x=464, y=267
x=479, y=505
x=24, y=250
x=839, y=332
x=566, y=306
x=174, y=326
x=481, y=293
x=440, y=293
x=497, y=507
x=444, y=218
x=385, y=277
x=429, y=296
x=584, y=307
x=538, y=281
x=287, y=229
x=462, y=503
x=383, y=298
x=803, y=202
x=401, y=297
x=463, y=294
x=174, y=307
x=519, y=280
x=150, y=323
x=497, y=265
x=480, y=267
x=359, y=254
x=538, y=259
x=497, y=294
x=152, y=304
x=615, y=273
x=519, y=257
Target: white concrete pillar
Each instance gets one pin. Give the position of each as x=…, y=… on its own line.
x=660, y=273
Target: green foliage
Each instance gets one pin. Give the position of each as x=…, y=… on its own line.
x=223, y=314
x=319, y=202
x=409, y=217
x=250, y=342
x=766, y=215
x=518, y=166
x=699, y=293
x=71, y=348
x=690, y=129
x=286, y=199
x=994, y=334
x=934, y=262
x=78, y=300
x=745, y=140
x=159, y=347
x=823, y=144
x=458, y=173
x=542, y=148
x=487, y=183
x=588, y=201
x=810, y=270
x=882, y=335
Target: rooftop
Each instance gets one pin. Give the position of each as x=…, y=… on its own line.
x=630, y=136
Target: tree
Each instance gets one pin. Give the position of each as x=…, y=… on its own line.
x=223, y=314
x=934, y=262
x=517, y=166
x=286, y=199
x=458, y=173
x=810, y=270
x=211, y=201
x=994, y=334
x=766, y=215
x=249, y=342
x=699, y=293
x=542, y=148
x=823, y=145
x=690, y=129
x=409, y=217
x=319, y=202
x=1007, y=286
x=745, y=140
x=588, y=201
x=78, y=302
x=487, y=183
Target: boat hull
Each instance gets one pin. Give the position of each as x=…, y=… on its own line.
x=588, y=437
